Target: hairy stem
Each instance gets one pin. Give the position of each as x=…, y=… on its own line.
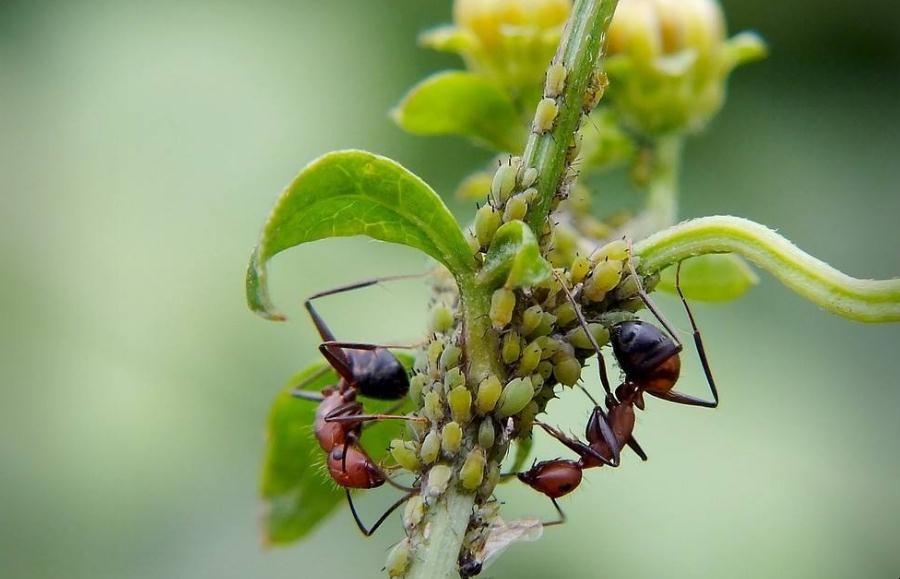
x=856, y=299
x=579, y=51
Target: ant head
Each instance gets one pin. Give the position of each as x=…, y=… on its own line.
x=640, y=347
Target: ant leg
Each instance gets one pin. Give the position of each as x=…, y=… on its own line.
x=698, y=341
x=562, y=516
x=300, y=392
x=679, y=398
x=320, y=324
x=645, y=297
x=601, y=363
x=387, y=513
x=372, y=417
x=576, y=446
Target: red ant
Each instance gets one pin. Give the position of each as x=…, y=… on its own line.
x=367, y=369
x=651, y=362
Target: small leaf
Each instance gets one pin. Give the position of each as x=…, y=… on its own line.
x=295, y=482
x=513, y=259
x=356, y=193
x=715, y=277
x=464, y=104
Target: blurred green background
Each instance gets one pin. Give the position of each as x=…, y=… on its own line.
x=142, y=145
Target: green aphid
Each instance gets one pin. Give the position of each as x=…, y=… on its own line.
x=472, y=472
x=503, y=303
x=516, y=396
x=451, y=438
x=460, y=401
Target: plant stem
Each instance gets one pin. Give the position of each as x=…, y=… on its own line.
x=448, y=518
x=856, y=299
x=579, y=50
x=445, y=521
x=661, y=210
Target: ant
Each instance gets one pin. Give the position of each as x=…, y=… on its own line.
x=651, y=362
x=367, y=369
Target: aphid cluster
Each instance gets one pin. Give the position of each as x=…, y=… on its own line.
x=461, y=426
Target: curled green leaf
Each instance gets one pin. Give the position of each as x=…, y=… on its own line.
x=863, y=300
x=295, y=483
x=464, y=104
x=356, y=193
x=715, y=277
x=513, y=259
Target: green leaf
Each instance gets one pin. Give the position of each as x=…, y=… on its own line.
x=356, y=193
x=513, y=259
x=298, y=492
x=715, y=277
x=464, y=104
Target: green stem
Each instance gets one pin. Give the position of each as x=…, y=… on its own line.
x=448, y=518
x=579, y=50
x=856, y=299
x=661, y=209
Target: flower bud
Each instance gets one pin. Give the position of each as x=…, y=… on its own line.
x=668, y=63
x=509, y=40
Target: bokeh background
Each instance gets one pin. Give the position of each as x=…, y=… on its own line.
x=142, y=145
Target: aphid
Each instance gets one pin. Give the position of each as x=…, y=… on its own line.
x=556, y=80
x=650, y=361
x=487, y=221
x=503, y=302
x=545, y=116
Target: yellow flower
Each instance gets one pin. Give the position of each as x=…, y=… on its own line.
x=511, y=41
x=668, y=61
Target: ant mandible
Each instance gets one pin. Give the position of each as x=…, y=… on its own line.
x=367, y=369
x=650, y=360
